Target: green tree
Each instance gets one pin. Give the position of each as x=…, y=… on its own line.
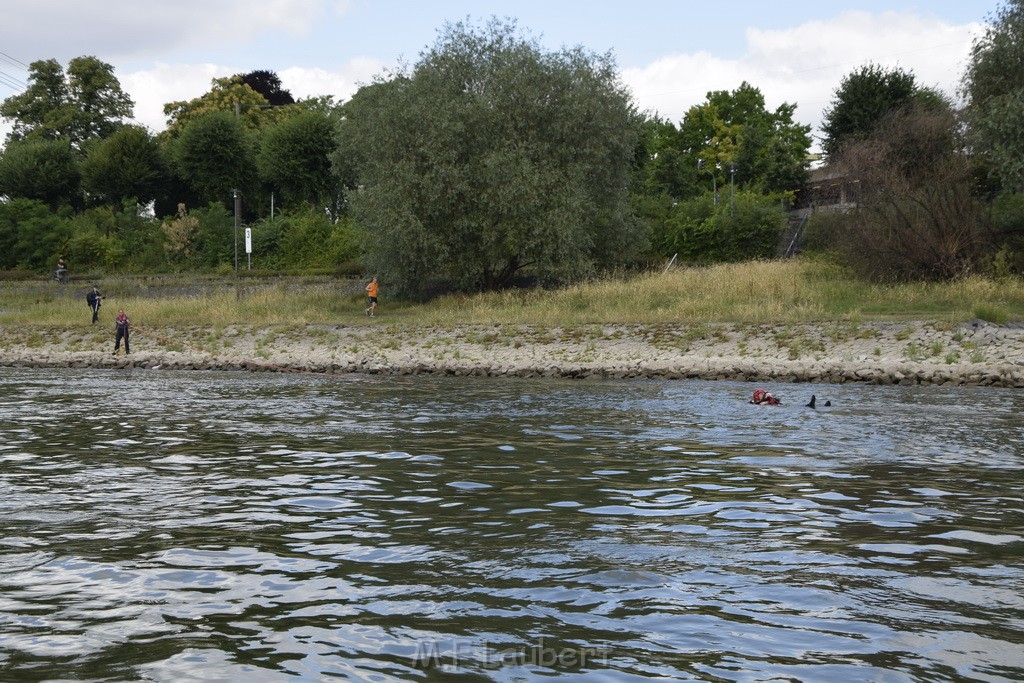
x=44, y=170
x=127, y=165
x=769, y=148
x=732, y=131
x=863, y=98
x=231, y=95
x=491, y=156
x=664, y=164
x=994, y=87
x=83, y=104
x=215, y=155
x=295, y=159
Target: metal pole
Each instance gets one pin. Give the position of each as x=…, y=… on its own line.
x=732, y=187
x=238, y=210
x=671, y=262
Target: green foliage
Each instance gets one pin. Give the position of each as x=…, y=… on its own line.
x=44, y=170
x=994, y=86
x=730, y=131
x=666, y=165
x=84, y=104
x=31, y=236
x=492, y=156
x=121, y=239
x=863, y=98
x=768, y=148
x=215, y=237
x=126, y=165
x=229, y=96
x=215, y=155
x=746, y=228
x=1008, y=228
x=295, y=159
x=304, y=238
x=991, y=313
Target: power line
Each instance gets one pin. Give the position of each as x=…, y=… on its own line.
x=12, y=82
x=12, y=60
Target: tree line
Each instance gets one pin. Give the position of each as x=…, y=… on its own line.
x=491, y=161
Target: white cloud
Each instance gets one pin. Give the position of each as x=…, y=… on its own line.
x=121, y=30
x=805, y=64
x=153, y=88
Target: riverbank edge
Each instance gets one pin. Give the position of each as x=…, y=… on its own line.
x=885, y=353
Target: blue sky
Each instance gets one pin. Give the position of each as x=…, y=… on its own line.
x=670, y=53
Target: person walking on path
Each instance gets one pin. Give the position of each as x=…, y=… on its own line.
x=93, y=298
x=371, y=291
x=122, y=325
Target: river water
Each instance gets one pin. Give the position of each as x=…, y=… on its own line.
x=177, y=526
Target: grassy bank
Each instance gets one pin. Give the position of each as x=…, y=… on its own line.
x=758, y=292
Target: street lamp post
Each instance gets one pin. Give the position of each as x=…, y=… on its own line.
x=238, y=210
x=732, y=187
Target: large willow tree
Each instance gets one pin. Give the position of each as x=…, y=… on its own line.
x=490, y=158
x=994, y=87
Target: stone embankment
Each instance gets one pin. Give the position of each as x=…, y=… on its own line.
x=974, y=353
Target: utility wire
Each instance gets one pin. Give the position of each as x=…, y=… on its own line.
x=12, y=81
x=12, y=60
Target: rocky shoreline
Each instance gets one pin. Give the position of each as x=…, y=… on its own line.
x=967, y=354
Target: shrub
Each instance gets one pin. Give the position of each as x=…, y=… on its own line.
x=308, y=239
x=745, y=227
x=992, y=314
x=917, y=217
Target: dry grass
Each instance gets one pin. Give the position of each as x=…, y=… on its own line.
x=756, y=292
x=753, y=292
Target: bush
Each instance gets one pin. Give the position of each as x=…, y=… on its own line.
x=214, y=244
x=1008, y=233
x=917, y=217
x=104, y=238
x=307, y=238
x=992, y=314
x=744, y=228
x=31, y=236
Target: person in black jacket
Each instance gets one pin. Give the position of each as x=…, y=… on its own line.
x=94, y=298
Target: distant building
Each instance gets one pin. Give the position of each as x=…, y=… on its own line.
x=828, y=188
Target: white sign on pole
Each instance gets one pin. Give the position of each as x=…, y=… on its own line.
x=248, y=240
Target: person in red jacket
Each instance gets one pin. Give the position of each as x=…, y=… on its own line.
x=764, y=398
x=122, y=325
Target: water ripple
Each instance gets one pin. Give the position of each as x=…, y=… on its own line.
x=268, y=528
